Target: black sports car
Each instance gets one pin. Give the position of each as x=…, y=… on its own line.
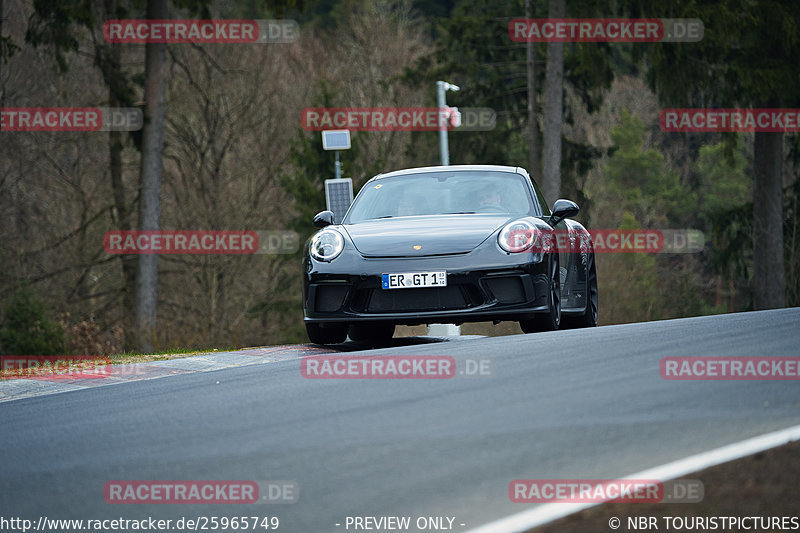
x=448, y=244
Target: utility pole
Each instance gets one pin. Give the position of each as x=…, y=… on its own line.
x=441, y=103
x=443, y=330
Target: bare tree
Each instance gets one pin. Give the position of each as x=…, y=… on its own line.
x=57, y=28
x=383, y=38
x=152, y=165
x=108, y=56
x=232, y=118
x=533, y=121
x=553, y=111
x=221, y=171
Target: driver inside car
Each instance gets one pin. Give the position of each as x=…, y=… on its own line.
x=489, y=200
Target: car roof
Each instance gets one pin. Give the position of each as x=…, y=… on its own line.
x=452, y=168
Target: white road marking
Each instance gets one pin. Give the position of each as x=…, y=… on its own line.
x=549, y=512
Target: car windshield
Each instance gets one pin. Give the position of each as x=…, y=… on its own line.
x=440, y=193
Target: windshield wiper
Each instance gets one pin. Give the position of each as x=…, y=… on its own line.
x=460, y=213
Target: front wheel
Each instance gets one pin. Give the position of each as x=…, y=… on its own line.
x=550, y=320
x=326, y=333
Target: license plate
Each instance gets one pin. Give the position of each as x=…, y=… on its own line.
x=413, y=280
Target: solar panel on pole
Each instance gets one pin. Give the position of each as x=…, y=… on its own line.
x=338, y=197
x=336, y=140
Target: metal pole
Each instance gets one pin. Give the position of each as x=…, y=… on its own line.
x=443, y=330
x=444, y=149
x=338, y=166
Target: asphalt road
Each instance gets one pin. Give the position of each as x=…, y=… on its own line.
x=577, y=404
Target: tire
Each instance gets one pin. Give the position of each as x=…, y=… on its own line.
x=551, y=320
x=589, y=317
x=327, y=334
x=371, y=332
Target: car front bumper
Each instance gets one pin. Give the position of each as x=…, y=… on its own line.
x=482, y=285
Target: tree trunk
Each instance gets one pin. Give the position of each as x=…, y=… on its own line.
x=731, y=296
x=769, y=277
x=2, y=58
x=150, y=198
x=553, y=111
x=533, y=122
x=122, y=221
x=113, y=77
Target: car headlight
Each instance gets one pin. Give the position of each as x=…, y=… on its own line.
x=326, y=245
x=518, y=236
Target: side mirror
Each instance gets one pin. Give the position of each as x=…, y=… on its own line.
x=563, y=209
x=323, y=218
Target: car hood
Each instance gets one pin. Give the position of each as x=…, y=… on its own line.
x=435, y=235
